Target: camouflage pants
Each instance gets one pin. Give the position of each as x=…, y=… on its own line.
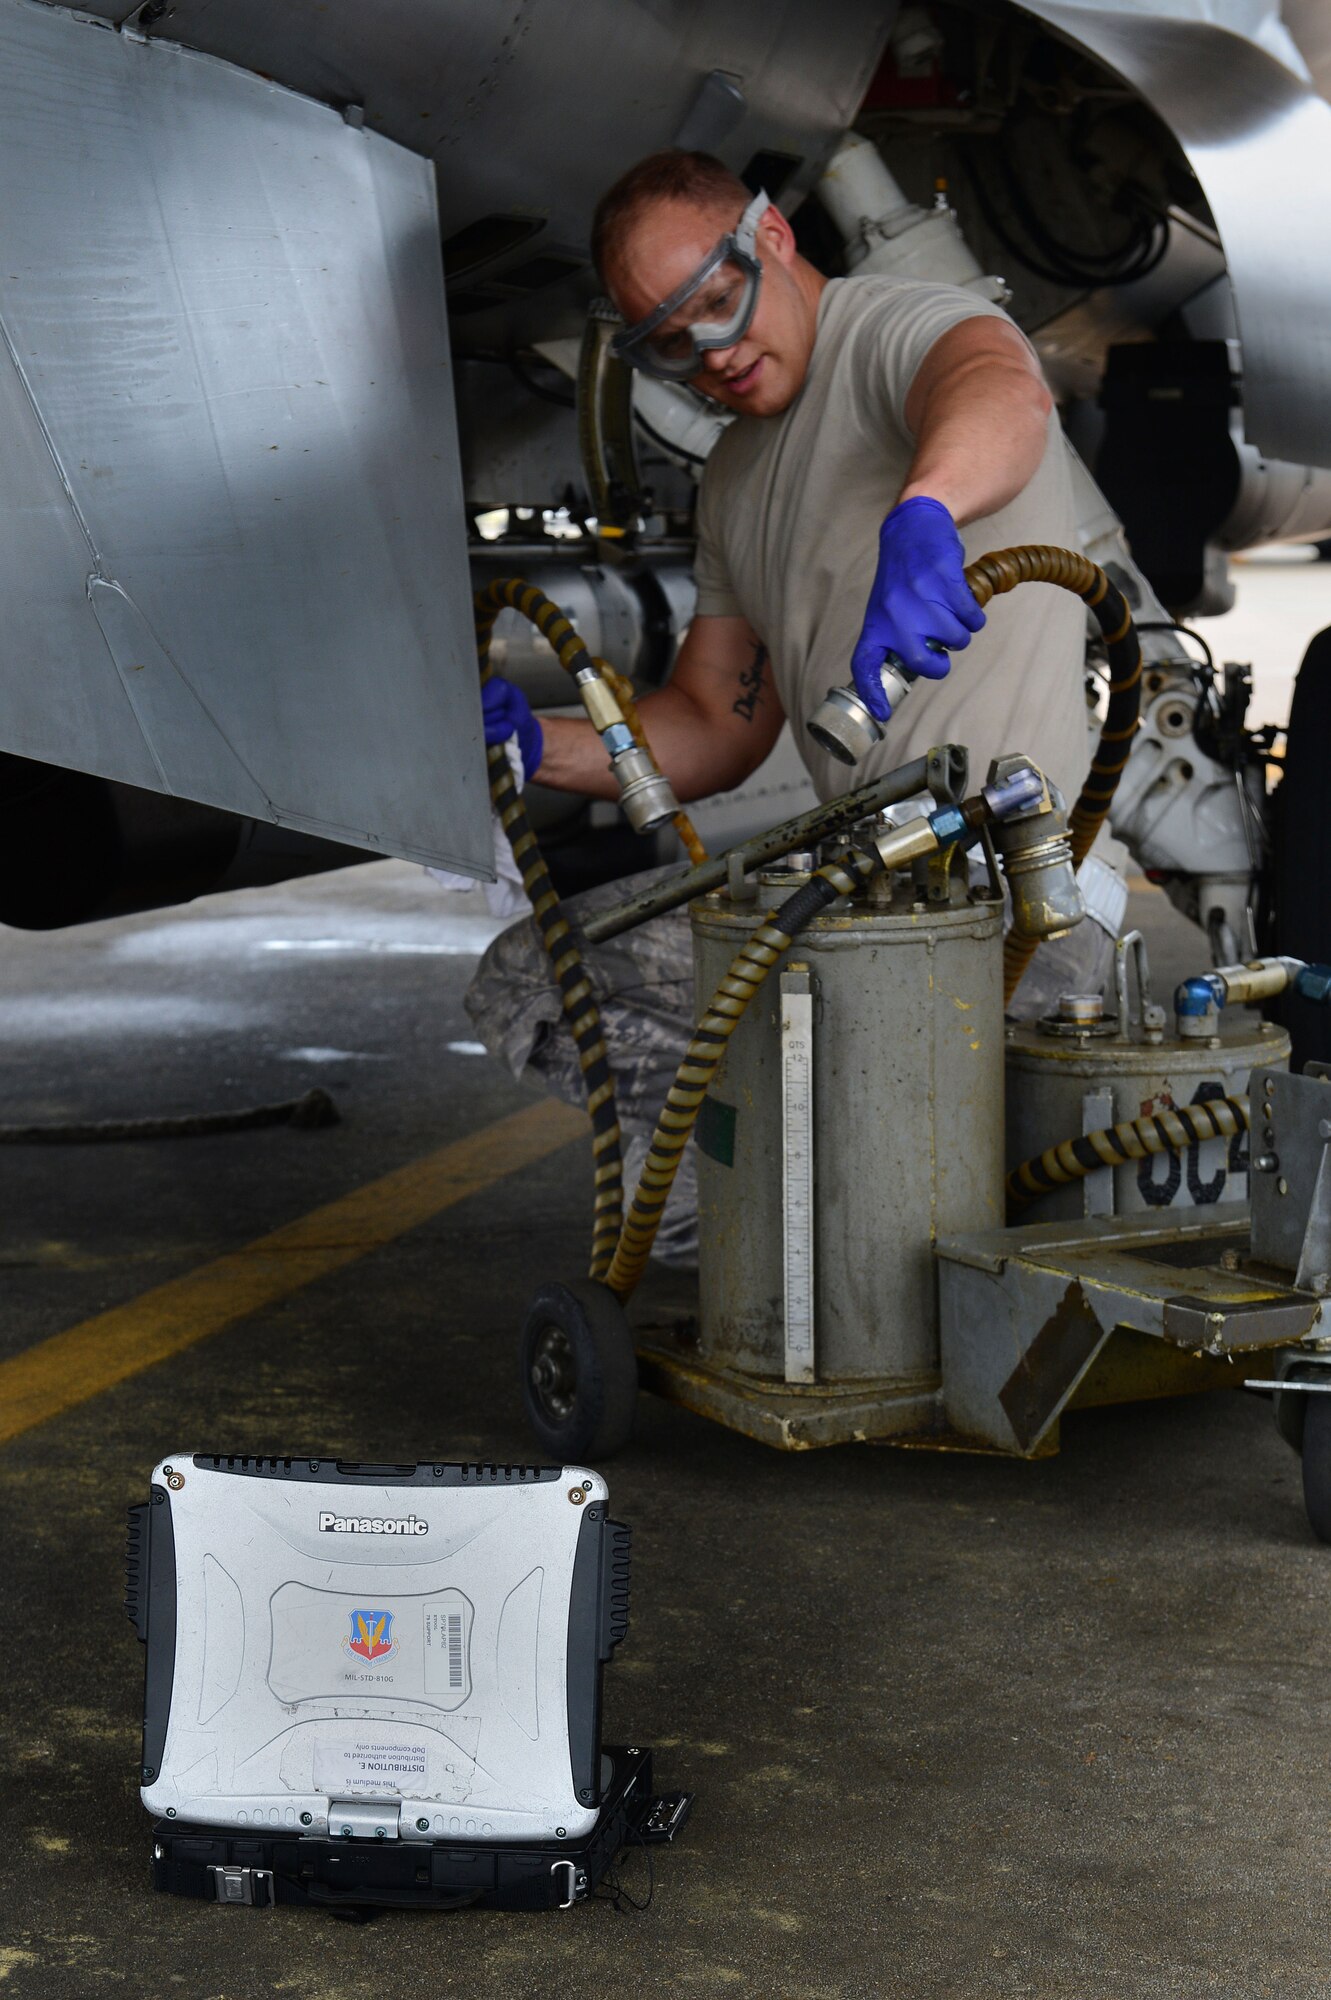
x=644, y=987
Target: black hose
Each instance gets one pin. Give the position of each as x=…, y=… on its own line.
x=1003, y=570
x=1057, y=272
x=823, y=822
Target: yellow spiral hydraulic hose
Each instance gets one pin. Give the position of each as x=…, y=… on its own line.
x=575, y=988
x=1003, y=570
x=730, y=1002
x=1135, y=1139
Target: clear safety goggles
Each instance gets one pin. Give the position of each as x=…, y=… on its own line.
x=712, y=308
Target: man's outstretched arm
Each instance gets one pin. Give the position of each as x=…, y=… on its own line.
x=709, y=727
x=978, y=410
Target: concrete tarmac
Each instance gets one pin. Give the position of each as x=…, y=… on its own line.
x=957, y=1726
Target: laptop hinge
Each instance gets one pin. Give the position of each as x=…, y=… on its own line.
x=357, y=1819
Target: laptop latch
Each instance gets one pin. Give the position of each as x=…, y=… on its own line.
x=242, y=1885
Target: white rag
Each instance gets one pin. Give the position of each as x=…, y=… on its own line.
x=505, y=896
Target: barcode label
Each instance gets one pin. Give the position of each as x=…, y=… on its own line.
x=446, y=1629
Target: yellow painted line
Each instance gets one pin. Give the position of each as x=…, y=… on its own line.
x=73, y=1366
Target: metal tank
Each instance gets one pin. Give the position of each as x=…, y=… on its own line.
x=857, y=1116
x=1082, y=1068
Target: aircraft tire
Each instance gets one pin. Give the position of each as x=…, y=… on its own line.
x=1301, y=867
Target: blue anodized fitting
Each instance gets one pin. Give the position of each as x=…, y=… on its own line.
x=1198, y=995
x=948, y=823
x=1313, y=982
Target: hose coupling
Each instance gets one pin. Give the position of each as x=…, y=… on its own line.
x=1032, y=841
x=896, y=846
x=1198, y=1001
x=1018, y=789
x=845, y=726
x=646, y=795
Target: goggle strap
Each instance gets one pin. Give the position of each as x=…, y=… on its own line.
x=739, y=242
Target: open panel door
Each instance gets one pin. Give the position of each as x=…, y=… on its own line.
x=232, y=539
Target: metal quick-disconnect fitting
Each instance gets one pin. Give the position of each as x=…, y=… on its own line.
x=1036, y=852
x=645, y=793
x=846, y=727
x=1018, y=790
x=1198, y=1001
x=896, y=846
x=1037, y=862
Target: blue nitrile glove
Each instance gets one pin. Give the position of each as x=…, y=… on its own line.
x=507, y=712
x=920, y=600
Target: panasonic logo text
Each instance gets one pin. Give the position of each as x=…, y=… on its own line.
x=370, y=1524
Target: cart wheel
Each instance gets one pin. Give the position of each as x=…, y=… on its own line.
x=1291, y=1406
x=579, y=1371
x=1317, y=1464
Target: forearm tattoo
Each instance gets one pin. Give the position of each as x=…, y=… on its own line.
x=751, y=682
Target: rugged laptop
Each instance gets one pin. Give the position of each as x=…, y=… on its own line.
x=377, y=1683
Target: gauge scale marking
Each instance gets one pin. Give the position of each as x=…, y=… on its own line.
x=797, y=1170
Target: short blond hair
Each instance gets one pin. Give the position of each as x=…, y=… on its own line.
x=673, y=175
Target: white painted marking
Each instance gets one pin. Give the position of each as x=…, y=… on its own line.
x=401, y=947
x=235, y=937
x=59, y=1017
x=318, y=1055
x=468, y=1049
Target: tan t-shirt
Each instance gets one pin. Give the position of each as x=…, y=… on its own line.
x=788, y=520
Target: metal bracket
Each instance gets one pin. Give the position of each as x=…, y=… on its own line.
x=356, y=1820
x=1291, y=1191
x=739, y=888
x=1152, y=1016
x=1314, y=1272
x=1291, y=1383
x=664, y=1818
x=947, y=768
